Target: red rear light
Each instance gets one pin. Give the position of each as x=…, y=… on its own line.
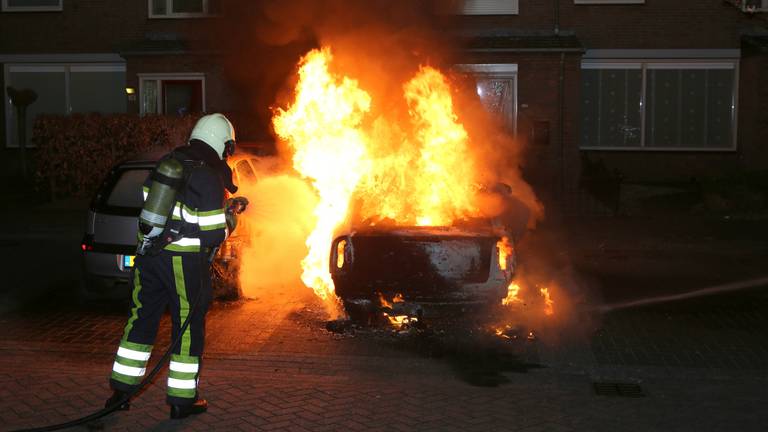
x=87, y=244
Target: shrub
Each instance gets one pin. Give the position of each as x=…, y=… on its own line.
x=75, y=152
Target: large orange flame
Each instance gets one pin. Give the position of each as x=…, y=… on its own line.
x=420, y=173
x=444, y=156
x=323, y=129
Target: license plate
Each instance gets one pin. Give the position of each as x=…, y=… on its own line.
x=128, y=261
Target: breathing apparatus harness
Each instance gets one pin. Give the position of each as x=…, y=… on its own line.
x=169, y=180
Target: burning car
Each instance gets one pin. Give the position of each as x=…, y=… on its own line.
x=407, y=174
x=406, y=269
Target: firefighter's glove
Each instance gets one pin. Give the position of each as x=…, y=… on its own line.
x=234, y=207
x=237, y=205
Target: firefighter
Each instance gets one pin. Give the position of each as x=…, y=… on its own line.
x=173, y=269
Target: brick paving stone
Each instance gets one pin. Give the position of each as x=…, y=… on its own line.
x=322, y=383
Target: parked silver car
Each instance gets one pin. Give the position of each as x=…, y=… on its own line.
x=109, y=243
x=110, y=237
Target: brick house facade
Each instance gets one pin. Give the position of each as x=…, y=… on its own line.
x=551, y=53
x=646, y=39
x=86, y=55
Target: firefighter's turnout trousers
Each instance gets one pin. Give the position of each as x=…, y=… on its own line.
x=176, y=280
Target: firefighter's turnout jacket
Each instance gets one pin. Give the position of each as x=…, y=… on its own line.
x=176, y=278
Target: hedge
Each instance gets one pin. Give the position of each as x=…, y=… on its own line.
x=75, y=152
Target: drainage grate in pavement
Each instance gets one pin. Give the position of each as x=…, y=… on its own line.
x=624, y=389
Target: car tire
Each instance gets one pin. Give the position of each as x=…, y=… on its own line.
x=360, y=314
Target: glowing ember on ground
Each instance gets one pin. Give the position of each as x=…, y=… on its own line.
x=401, y=321
x=398, y=321
x=548, y=303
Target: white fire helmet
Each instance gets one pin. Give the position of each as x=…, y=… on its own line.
x=216, y=131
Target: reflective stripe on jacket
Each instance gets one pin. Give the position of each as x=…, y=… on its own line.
x=198, y=213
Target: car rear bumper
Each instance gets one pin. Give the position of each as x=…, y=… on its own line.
x=425, y=269
x=105, y=265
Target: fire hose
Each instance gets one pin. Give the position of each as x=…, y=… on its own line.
x=148, y=379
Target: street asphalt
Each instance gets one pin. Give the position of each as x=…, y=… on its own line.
x=699, y=364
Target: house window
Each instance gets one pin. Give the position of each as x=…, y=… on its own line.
x=489, y=7
x=64, y=89
x=496, y=86
x=32, y=5
x=658, y=105
x=608, y=1
x=183, y=8
x=172, y=94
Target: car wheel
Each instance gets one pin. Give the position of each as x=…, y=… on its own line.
x=360, y=312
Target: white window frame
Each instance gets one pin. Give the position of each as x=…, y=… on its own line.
x=649, y=64
x=497, y=71
x=58, y=8
x=171, y=15
x=490, y=7
x=590, y=2
x=159, y=78
x=65, y=68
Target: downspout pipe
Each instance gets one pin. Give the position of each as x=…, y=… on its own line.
x=560, y=105
x=560, y=126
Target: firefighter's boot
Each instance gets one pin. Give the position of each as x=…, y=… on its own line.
x=181, y=411
x=117, y=397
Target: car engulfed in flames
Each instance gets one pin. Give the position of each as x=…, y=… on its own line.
x=404, y=270
x=401, y=214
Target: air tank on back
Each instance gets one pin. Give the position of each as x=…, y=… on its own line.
x=161, y=198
